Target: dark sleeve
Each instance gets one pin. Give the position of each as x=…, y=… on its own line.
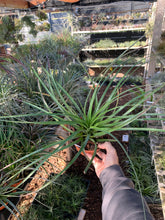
x=120, y=200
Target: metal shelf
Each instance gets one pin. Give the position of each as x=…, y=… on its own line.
x=108, y=31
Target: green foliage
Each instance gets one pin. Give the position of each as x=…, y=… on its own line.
x=141, y=157
x=139, y=140
x=145, y=173
x=26, y=82
x=66, y=40
x=41, y=15
x=43, y=27
x=94, y=118
x=129, y=60
x=162, y=161
x=22, y=144
x=129, y=80
x=60, y=200
x=107, y=43
x=55, y=52
x=13, y=145
x=149, y=29
x=8, y=30
x=91, y=118
x=10, y=27
x=27, y=20
x=7, y=94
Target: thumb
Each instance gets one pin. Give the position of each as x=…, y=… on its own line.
x=89, y=156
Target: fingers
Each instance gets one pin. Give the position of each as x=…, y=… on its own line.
x=107, y=146
x=89, y=156
x=95, y=160
x=101, y=154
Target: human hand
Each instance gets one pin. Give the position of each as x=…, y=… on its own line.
x=106, y=160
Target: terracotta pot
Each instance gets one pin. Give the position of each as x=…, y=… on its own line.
x=86, y=151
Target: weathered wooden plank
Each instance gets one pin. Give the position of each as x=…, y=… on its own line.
x=20, y=4
x=156, y=36
x=14, y=4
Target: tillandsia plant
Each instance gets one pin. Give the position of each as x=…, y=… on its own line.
x=92, y=120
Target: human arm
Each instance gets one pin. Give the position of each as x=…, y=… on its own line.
x=120, y=200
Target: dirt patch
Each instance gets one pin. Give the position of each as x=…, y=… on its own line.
x=156, y=210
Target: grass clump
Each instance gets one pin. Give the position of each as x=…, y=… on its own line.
x=141, y=156
x=60, y=200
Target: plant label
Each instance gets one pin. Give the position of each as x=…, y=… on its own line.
x=125, y=138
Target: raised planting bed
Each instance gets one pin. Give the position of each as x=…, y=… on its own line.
x=127, y=61
x=141, y=156
x=157, y=139
x=157, y=146
x=118, y=36
x=100, y=70
x=100, y=53
x=110, y=44
x=130, y=80
x=88, y=48
x=129, y=28
x=110, y=28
